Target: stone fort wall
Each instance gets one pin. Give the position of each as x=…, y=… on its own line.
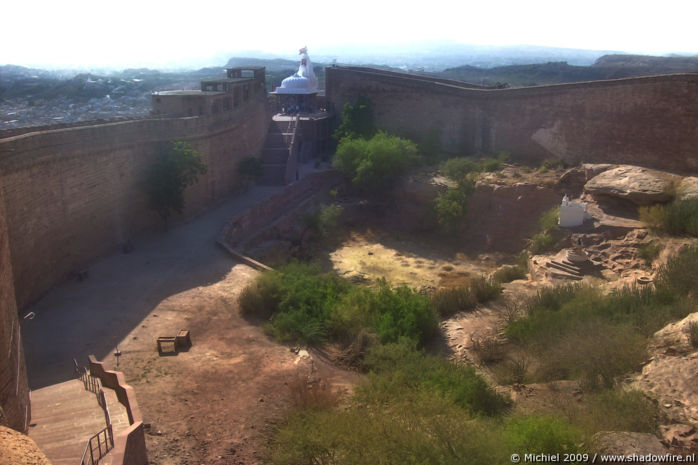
x=73, y=194
x=14, y=390
x=649, y=121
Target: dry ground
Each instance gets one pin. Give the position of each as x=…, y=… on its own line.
x=217, y=402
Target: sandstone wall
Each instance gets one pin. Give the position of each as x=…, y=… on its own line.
x=649, y=121
x=14, y=390
x=73, y=194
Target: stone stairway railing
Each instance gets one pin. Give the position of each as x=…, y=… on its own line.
x=103, y=441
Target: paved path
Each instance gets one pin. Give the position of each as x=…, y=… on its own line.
x=76, y=319
x=65, y=416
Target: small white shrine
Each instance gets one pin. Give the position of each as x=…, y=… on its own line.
x=298, y=92
x=572, y=213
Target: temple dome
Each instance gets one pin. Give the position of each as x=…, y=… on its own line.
x=304, y=81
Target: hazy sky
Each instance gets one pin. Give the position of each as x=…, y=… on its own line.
x=130, y=33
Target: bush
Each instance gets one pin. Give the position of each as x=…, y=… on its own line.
x=375, y=164
x=612, y=410
x=677, y=218
x=392, y=312
x=542, y=435
x=357, y=121
x=450, y=301
x=488, y=350
x=458, y=168
x=299, y=299
x=485, y=289
x=451, y=205
x=398, y=367
x=509, y=273
x=421, y=431
x=540, y=243
x=680, y=274
x=178, y=166
x=324, y=220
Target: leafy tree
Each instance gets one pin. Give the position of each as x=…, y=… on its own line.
x=451, y=205
x=375, y=164
x=178, y=166
x=357, y=120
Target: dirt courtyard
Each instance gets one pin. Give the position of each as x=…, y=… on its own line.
x=216, y=402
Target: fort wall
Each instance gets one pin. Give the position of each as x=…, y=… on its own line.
x=649, y=121
x=74, y=194
x=14, y=390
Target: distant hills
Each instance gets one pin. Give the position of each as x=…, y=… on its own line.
x=605, y=67
x=30, y=97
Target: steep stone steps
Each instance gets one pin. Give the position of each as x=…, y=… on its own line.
x=275, y=153
x=565, y=267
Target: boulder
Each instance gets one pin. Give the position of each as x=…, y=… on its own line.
x=593, y=169
x=688, y=188
x=641, y=186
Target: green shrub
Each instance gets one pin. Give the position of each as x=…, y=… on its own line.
x=613, y=410
x=357, y=121
x=323, y=220
x=422, y=431
x=549, y=220
x=396, y=367
x=542, y=435
x=451, y=205
x=677, y=218
x=375, y=164
x=458, y=168
x=680, y=274
x=392, y=312
x=485, y=289
x=490, y=165
x=509, y=273
x=682, y=217
x=450, y=301
x=541, y=242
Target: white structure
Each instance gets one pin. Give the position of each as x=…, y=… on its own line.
x=304, y=81
x=572, y=213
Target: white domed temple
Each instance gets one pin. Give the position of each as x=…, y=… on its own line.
x=299, y=132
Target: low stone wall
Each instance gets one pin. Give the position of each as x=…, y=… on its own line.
x=265, y=212
x=129, y=446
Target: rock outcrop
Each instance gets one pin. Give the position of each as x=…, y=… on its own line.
x=641, y=186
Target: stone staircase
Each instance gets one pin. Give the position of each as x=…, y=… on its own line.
x=65, y=416
x=560, y=267
x=275, y=152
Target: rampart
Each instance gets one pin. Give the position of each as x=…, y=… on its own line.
x=73, y=194
x=129, y=445
x=14, y=390
x=649, y=121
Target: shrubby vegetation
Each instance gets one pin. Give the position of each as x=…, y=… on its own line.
x=357, y=121
x=308, y=306
x=178, y=166
x=449, y=301
x=451, y=205
x=544, y=240
x=324, y=219
x=582, y=333
x=678, y=218
x=375, y=164
x=458, y=168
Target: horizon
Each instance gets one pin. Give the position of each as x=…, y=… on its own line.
x=81, y=35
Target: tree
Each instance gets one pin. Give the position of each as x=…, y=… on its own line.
x=178, y=166
x=357, y=120
x=375, y=164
